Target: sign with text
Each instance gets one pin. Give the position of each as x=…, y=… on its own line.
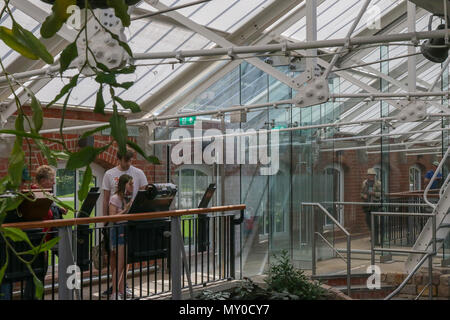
x=187, y=121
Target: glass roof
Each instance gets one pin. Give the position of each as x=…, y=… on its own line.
x=333, y=21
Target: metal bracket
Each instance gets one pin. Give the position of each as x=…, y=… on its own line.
x=411, y=111
x=302, y=79
x=179, y=57
x=231, y=53
x=314, y=92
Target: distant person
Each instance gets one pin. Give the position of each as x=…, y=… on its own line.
x=110, y=183
x=45, y=179
x=437, y=182
x=370, y=192
x=6, y=287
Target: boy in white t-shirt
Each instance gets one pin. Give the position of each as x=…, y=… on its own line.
x=109, y=186
x=112, y=176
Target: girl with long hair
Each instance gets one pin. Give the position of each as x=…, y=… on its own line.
x=119, y=203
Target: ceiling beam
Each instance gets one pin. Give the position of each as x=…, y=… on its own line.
x=246, y=34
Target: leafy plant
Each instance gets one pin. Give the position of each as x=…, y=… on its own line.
x=29, y=46
x=283, y=277
x=247, y=290
x=210, y=295
x=284, y=282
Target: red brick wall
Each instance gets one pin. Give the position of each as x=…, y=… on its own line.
x=355, y=173
x=354, y=168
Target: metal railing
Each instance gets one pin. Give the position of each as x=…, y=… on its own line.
x=154, y=261
x=396, y=229
x=427, y=254
x=314, y=233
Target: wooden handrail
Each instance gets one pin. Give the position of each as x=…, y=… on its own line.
x=417, y=193
x=122, y=217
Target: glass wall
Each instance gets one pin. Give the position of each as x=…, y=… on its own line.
x=317, y=162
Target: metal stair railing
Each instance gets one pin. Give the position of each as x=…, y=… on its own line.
x=427, y=254
x=347, y=234
x=430, y=183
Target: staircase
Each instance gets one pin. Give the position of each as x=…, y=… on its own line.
x=424, y=242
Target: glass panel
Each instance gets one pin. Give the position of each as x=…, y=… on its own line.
x=91, y=185
x=66, y=188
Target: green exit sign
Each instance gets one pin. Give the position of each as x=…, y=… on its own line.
x=187, y=121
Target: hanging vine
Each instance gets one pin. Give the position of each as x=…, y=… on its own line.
x=29, y=46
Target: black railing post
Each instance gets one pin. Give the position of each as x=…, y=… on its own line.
x=235, y=222
x=65, y=259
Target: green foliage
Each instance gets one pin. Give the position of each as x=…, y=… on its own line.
x=283, y=277
x=67, y=56
x=7, y=36
x=120, y=10
x=3, y=269
x=100, y=102
x=26, y=44
x=56, y=19
x=133, y=106
x=119, y=130
x=27, y=39
x=84, y=189
x=210, y=295
x=247, y=290
x=284, y=282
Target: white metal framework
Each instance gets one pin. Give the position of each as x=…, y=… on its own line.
x=181, y=53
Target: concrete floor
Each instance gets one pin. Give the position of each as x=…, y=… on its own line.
x=257, y=260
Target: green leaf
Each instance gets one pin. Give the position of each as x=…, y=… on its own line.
x=32, y=43
x=133, y=106
x=36, y=107
x=67, y=56
x=3, y=212
x=100, y=102
x=60, y=155
x=82, y=158
x=120, y=10
x=47, y=152
x=16, y=163
x=125, y=85
x=17, y=157
x=39, y=287
x=124, y=45
x=7, y=36
x=103, y=67
x=3, y=269
x=13, y=203
x=107, y=78
x=150, y=159
x=38, y=115
x=72, y=83
x=57, y=18
x=90, y=133
x=119, y=131
x=38, y=249
x=84, y=189
x=19, y=123
x=16, y=235
x=126, y=70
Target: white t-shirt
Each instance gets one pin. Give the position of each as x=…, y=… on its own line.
x=111, y=179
